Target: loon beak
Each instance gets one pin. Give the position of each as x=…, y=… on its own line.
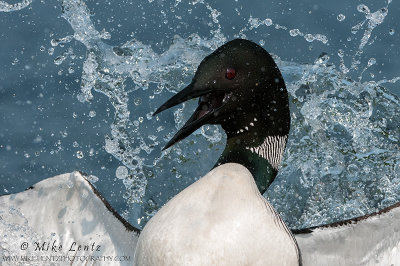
x=186, y=94
x=211, y=101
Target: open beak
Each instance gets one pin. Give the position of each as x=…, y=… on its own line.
x=210, y=103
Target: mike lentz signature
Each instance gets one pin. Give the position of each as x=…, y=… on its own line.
x=55, y=251
x=28, y=259
x=57, y=247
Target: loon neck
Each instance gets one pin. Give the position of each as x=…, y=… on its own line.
x=262, y=159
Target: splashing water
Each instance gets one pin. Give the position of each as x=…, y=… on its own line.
x=347, y=129
x=372, y=20
x=349, y=133
x=256, y=22
x=5, y=7
x=106, y=70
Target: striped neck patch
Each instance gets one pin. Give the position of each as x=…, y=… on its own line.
x=271, y=149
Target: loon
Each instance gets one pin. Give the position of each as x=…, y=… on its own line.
x=222, y=219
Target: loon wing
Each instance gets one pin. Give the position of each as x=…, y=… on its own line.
x=372, y=239
x=64, y=216
x=67, y=211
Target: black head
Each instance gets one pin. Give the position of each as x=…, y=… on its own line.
x=241, y=88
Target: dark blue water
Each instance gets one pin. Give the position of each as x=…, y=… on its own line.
x=44, y=128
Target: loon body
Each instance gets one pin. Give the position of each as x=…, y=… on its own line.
x=223, y=219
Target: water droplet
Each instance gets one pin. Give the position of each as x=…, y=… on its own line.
x=27, y=155
x=352, y=169
x=343, y=68
x=105, y=35
x=64, y=133
x=138, y=101
x=341, y=17
x=294, y=32
x=152, y=137
x=79, y=154
x=363, y=9
x=391, y=31
x=121, y=172
x=59, y=59
x=268, y=22
x=75, y=144
x=322, y=38
x=54, y=42
x=309, y=37
x=340, y=53
x=159, y=89
x=42, y=48
x=355, y=28
x=367, y=169
x=50, y=51
x=322, y=59
x=92, y=113
x=111, y=146
x=92, y=178
x=371, y=61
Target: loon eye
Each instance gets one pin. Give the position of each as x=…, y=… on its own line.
x=230, y=73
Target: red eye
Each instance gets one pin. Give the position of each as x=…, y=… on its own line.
x=230, y=73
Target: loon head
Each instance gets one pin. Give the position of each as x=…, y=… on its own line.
x=239, y=87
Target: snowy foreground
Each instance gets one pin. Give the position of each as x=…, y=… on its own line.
x=63, y=220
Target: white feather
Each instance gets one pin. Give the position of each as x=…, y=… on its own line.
x=62, y=210
x=221, y=219
x=370, y=240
